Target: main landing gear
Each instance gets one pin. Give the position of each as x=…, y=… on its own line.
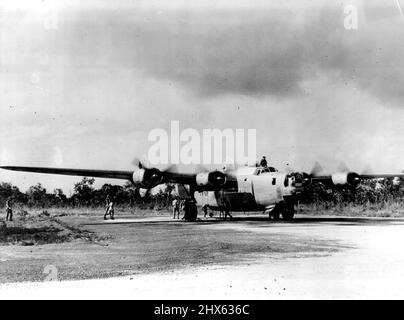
x=190, y=210
x=284, y=208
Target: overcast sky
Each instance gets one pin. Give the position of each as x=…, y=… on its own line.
x=82, y=83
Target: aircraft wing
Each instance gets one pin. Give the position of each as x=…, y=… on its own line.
x=379, y=176
x=352, y=177
x=152, y=176
x=182, y=178
x=110, y=174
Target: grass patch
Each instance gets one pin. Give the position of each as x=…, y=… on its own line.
x=40, y=229
x=380, y=209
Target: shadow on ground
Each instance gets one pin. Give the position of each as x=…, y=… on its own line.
x=263, y=221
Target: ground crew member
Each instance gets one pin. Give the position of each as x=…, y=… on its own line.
x=176, y=208
x=9, y=211
x=263, y=162
x=226, y=204
x=181, y=205
x=205, y=210
x=107, y=200
x=110, y=211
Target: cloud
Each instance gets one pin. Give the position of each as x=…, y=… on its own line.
x=211, y=51
x=271, y=51
x=94, y=87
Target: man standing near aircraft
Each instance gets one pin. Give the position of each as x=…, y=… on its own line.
x=110, y=210
x=263, y=162
x=9, y=211
x=226, y=205
x=205, y=209
x=176, y=207
x=107, y=200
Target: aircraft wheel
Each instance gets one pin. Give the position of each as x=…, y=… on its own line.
x=193, y=214
x=288, y=212
x=276, y=212
x=191, y=211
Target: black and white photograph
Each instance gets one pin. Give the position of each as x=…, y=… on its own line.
x=202, y=150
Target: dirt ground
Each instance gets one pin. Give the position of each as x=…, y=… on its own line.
x=131, y=245
x=249, y=257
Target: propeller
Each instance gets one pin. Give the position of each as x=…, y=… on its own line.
x=304, y=179
x=153, y=174
x=368, y=170
x=137, y=163
x=342, y=167
x=144, y=163
x=173, y=168
x=289, y=169
x=317, y=169
x=200, y=168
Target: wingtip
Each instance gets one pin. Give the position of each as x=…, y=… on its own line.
x=8, y=167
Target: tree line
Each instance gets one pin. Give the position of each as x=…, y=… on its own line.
x=367, y=192
x=86, y=195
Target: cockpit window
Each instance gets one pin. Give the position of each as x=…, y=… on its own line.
x=263, y=170
x=273, y=181
x=286, y=183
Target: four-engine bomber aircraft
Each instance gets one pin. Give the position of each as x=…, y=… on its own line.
x=244, y=189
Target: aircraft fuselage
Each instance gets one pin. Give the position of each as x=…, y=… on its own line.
x=257, y=189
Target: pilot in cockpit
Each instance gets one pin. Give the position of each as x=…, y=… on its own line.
x=264, y=162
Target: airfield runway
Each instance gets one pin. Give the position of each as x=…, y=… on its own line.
x=250, y=257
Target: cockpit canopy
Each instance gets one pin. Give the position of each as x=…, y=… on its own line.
x=261, y=170
x=255, y=171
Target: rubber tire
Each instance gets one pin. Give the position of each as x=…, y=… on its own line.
x=276, y=212
x=288, y=212
x=192, y=212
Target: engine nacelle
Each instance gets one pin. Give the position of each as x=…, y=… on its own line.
x=302, y=179
x=147, y=178
x=138, y=176
x=215, y=179
x=346, y=178
x=307, y=179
